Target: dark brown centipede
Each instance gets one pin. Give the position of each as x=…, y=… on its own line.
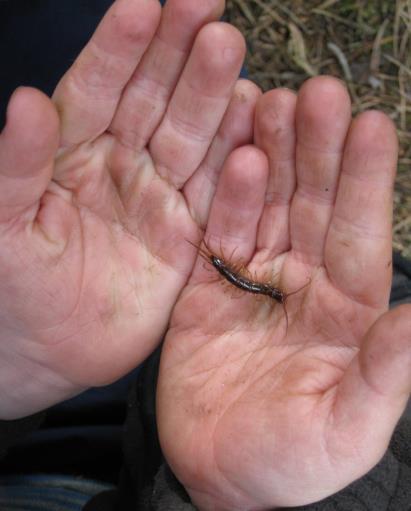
x=234, y=277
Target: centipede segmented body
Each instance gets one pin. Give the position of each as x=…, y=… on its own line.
x=251, y=286
x=237, y=279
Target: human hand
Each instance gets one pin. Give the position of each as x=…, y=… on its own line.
x=253, y=414
x=95, y=202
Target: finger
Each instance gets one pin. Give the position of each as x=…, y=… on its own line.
x=376, y=386
x=236, y=129
x=275, y=135
x=146, y=96
x=359, y=250
x=88, y=94
x=28, y=145
x=237, y=207
x=199, y=102
x=322, y=121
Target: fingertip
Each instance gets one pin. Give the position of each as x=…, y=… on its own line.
x=275, y=117
x=222, y=45
x=322, y=92
x=280, y=98
x=396, y=323
x=31, y=134
x=189, y=15
x=323, y=85
x=386, y=355
x=129, y=21
x=247, y=166
x=371, y=150
x=32, y=108
x=402, y=314
x=238, y=123
x=323, y=113
x=237, y=206
x=377, y=130
x=247, y=90
x=28, y=145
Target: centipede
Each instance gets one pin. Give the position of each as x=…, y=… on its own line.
x=234, y=276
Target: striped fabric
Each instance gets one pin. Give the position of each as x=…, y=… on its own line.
x=47, y=492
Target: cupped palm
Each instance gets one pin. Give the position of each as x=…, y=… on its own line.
x=255, y=413
x=99, y=193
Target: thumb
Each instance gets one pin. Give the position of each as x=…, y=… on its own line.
x=386, y=356
x=28, y=145
x=376, y=386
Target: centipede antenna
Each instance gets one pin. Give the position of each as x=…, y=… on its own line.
x=222, y=251
x=206, y=246
x=193, y=244
x=201, y=251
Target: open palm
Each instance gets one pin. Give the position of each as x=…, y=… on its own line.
x=96, y=201
x=254, y=413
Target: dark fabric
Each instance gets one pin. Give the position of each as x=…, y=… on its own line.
x=401, y=285
x=39, y=40
x=12, y=431
x=168, y=493
x=76, y=437
x=46, y=492
x=146, y=483
x=385, y=488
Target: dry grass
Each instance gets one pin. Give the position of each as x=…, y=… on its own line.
x=367, y=44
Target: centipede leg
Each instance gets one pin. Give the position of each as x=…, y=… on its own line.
x=286, y=317
x=299, y=289
x=201, y=251
x=207, y=247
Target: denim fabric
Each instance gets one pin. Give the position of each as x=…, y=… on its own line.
x=47, y=492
